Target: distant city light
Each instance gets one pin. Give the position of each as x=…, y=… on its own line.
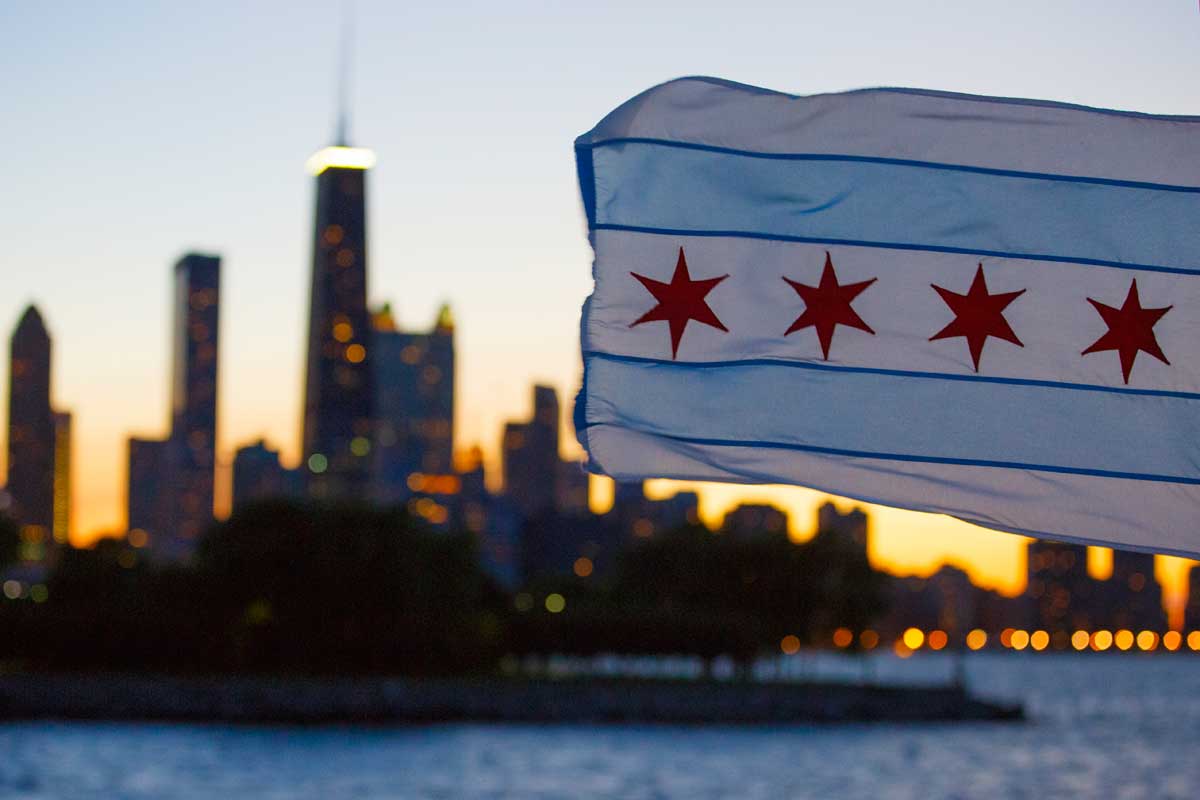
x=523, y=602
x=913, y=638
x=355, y=353
x=868, y=639
x=1123, y=639
x=1102, y=640
x=976, y=639
x=583, y=566
x=843, y=637
x=789, y=645
x=138, y=538
x=1020, y=640
x=938, y=640
x=901, y=649
x=340, y=158
x=318, y=463
x=12, y=589
x=1193, y=640
x=1039, y=640
x=39, y=593
x=1080, y=640
x=1006, y=637
x=555, y=603
x=1147, y=640
x=360, y=445
x=1171, y=640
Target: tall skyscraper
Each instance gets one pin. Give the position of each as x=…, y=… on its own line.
x=148, y=487
x=339, y=391
x=1134, y=594
x=414, y=405
x=193, y=400
x=31, y=434
x=1062, y=594
x=62, y=477
x=530, y=454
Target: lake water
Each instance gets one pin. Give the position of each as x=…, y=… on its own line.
x=1105, y=726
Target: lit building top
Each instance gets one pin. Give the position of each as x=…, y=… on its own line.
x=339, y=157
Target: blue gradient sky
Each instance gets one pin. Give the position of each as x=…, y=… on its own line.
x=135, y=131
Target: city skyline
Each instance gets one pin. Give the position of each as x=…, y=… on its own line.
x=262, y=356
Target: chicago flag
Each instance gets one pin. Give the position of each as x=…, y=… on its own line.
x=979, y=306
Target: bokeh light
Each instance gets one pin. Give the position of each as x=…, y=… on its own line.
x=913, y=638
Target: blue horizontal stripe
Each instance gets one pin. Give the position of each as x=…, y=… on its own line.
x=926, y=248
x=960, y=462
x=903, y=162
x=1045, y=428
x=652, y=187
x=825, y=366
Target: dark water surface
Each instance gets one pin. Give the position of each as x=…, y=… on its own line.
x=1105, y=726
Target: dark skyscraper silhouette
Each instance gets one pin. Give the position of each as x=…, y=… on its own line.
x=193, y=398
x=148, y=492
x=414, y=405
x=530, y=455
x=31, y=431
x=339, y=392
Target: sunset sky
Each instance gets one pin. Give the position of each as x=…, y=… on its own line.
x=134, y=132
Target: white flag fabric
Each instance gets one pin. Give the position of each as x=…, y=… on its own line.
x=979, y=306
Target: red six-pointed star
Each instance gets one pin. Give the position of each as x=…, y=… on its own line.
x=827, y=305
x=1130, y=329
x=977, y=315
x=679, y=301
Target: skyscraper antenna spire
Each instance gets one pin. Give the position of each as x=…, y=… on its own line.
x=342, y=134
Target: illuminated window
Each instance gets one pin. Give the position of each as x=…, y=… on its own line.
x=343, y=331
x=344, y=257
x=410, y=354
x=333, y=234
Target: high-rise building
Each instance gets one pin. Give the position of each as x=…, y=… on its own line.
x=62, y=477
x=414, y=406
x=259, y=475
x=750, y=520
x=31, y=435
x=339, y=393
x=149, y=484
x=574, y=489
x=851, y=526
x=1063, y=596
x=1134, y=595
x=193, y=438
x=529, y=451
